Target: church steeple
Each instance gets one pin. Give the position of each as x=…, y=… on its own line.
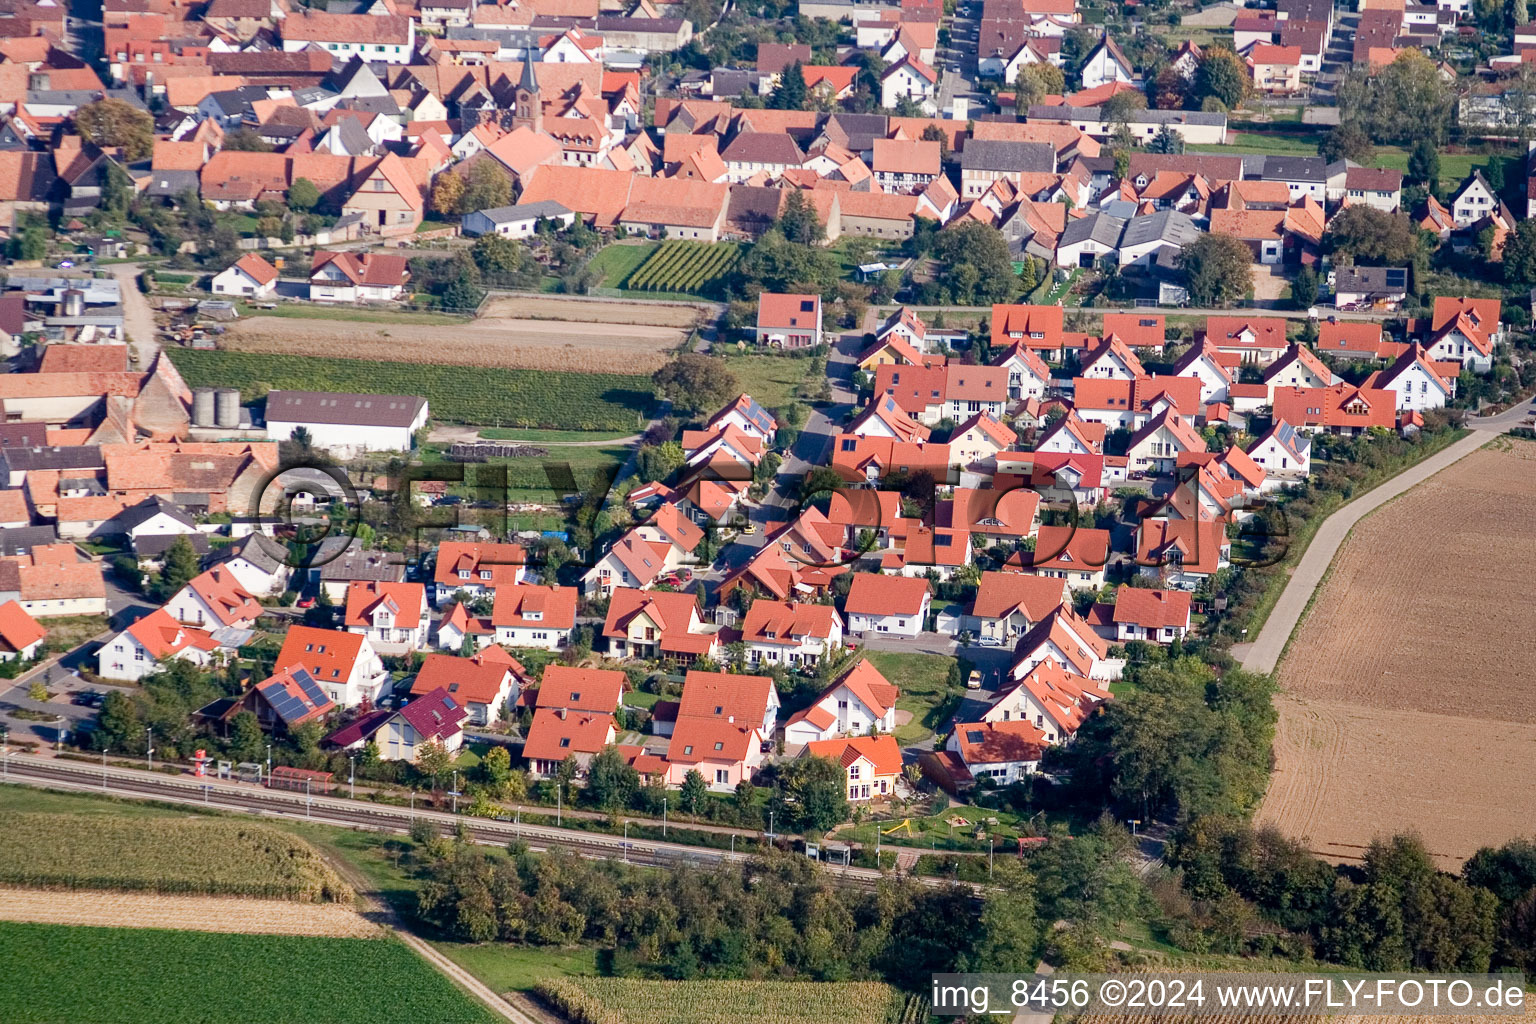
x=528, y=103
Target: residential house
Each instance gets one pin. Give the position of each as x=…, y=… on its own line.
x=871, y=764
x=250, y=277
x=1475, y=200
x=531, y=616
x=1009, y=604
x=1382, y=288
x=282, y=702
x=389, y=199
x=149, y=643
x=901, y=165
x=1254, y=340
x=457, y=625
x=345, y=665
x=1466, y=330
x=1106, y=64
x=392, y=615
x=469, y=570
x=483, y=685
x=349, y=277
x=895, y=605
x=1276, y=70
x=1374, y=186
x=1340, y=409
x=1418, y=383
x=909, y=79
x=1076, y=555
x=21, y=636
x=724, y=723
x=789, y=321
x=214, y=599
x=259, y=563
x=975, y=443
x=790, y=634
x=1052, y=698
x=375, y=38
x=1284, y=453
x=1183, y=553
x=1155, y=448
x=1299, y=367
x=1159, y=616
x=573, y=717
x=984, y=162
x=435, y=719
x=518, y=221
x=953, y=390
x=1005, y=752
x=1028, y=376
x=658, y=624
x=860, y=702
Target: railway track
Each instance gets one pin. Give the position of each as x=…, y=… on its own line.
x=80, y=777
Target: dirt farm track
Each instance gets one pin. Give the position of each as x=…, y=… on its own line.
x=492, y=341
x=1407, y=695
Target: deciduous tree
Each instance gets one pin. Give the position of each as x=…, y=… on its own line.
x=696, y=382
x=1218, y=269
x=1221, y=75
x=303, y=196
x=1365, y=235
x=114, y=122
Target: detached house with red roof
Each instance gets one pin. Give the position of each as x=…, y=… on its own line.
x=213, y=600
x=20, y=634
x=573, y=717
x=1159, y=616
x=1076, y=555
x=349, y=277
x=1070, y=641
x=1005, y=752
x=389, y=198
x=658, y=624
x=476, y=569
x=1156, y=447
x=894, y=605
x=376, y=38
x=533, y=616
x=1418, y=383
x=789, y=321
x=1257, y=340
x=1340, y=409
x=392, y=615
x=790, y=634
x=149, y=643
x=250, y=277
x=1466, y=330
x=282, y=702
x=481, y=685
x=724, y=723
x=345, y=665
x=1052, y=698
x=1008, y=604
x=434, y=717
x=859, y=702
x=871, y=764
x=1182, y=553
x=1285, y=455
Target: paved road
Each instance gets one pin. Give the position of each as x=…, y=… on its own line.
x=138, y=318
x=1263, y=654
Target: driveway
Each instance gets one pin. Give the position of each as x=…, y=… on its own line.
x=138, y=318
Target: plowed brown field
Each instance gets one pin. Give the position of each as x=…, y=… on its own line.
x=1408, y=700
x=195, y=913
x=494, y=342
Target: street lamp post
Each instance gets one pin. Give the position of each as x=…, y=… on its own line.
x=103, y=767
x=308, y=801
x=663, y=817
x=269, y=760
x=59, y=748
x=559, y=802
x=352, y=774
x=455, y=791
x=990, y=841
x=626, y=842
x=149, y=748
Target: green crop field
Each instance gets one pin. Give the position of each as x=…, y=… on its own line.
x=148, y=976
x=457, y=394
x=685, y=268
x=616, y=262
x=636, y=1001
x=184, y=855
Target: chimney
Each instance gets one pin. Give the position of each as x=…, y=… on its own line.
x=730, y=719
x=561, y=714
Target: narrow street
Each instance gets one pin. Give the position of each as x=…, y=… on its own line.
x=138, y=318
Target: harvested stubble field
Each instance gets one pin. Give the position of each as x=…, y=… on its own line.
x=639, y=1001
x=495, y=342
x=199, y=913
x=604, y=313
x=164, y=855
x=1407, y=700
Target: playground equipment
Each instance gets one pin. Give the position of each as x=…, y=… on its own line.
x=906, y=823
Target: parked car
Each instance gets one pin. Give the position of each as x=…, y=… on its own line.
x=989, y=641
x=973, y=682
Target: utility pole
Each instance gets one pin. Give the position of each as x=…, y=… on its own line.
x=559, y=802
x=308, y=800
x=269, y=761
x=663, y=817
x=626, y=841
x=770, y=826
x=990, y=841
x=352, y=774
x=103, y=767
x=455, y=791
x=149, y=748
x=59, y=749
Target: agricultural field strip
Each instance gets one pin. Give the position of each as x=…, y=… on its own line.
x=460, y=394
x=232, y=858
x=683, y=267
x=638, y=1001
x=115, y=909
x=1405, y=648
x=555, y=345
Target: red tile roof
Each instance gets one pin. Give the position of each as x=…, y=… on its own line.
x=327, y=654
x=18, y=630
x=1152, y=609
x=878, y=594
x=882, y=752
x=999, y=742
x=408, y=601
x=555, y=606
x=1000, y=594
x=581, y=689
x=435, y=715
x=502, y=561
x=225, y=597
x=477, y=680
x=556, y=734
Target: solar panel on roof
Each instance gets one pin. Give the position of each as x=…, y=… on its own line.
x=1397, y=278
x=310, y=687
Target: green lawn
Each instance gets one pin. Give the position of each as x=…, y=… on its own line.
x=26, y=800
x=616, y=262
x=508, y=968
x=149, y=975
x=772, y=380
x=513, y=434
x=528, y=479
x=923, y=680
